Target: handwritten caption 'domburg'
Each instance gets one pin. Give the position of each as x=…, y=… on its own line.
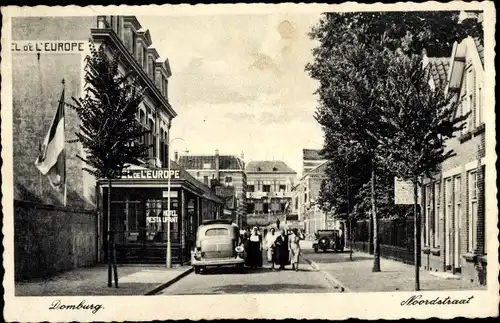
x=49, y=46
x=82, y=306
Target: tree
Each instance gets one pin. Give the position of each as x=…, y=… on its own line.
x=420, y=119
x=109, y=132
x=351, y=63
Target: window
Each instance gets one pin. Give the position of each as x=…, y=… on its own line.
x=205, y=180
x=266, y=188
x=134, y=43
x=251, y=188
x=472, y=219
x=283, y=207
x=250, y=208
x=258, y=207
x=479, y=104
x=152, y=138
x=228, y=180
x=282, y=188
x=151, y=70
x=275, y=169
x=140, y=54
x=437, y=198
x=265, y=207
x=144, y=63
x=428, y=214
x=217, y=232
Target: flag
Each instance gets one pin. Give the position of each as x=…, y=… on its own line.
x=52, y=159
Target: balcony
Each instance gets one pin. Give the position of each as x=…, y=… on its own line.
x=259, y=195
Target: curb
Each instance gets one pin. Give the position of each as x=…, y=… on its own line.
x=341, y=286
x=162, y=286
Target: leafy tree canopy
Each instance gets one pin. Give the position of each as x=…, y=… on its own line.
x=109, y=132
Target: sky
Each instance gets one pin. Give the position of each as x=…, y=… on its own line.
x=238, y=83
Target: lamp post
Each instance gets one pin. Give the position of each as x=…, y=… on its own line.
x=169, y=244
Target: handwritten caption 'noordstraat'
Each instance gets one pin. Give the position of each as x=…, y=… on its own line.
x=57, y=305
x=49, y=46
x=418, y=300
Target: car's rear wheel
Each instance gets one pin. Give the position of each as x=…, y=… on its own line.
x=240, y=268
x=315, y=249
x=197, y=270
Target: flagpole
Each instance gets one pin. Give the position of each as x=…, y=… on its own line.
x=64, y=150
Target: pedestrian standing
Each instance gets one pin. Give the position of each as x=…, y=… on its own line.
x=254, y=249
x=294, y=239
x=281, y=249
x=270, y=238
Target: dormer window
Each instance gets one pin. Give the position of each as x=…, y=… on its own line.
x=259, y=169
x=275, y=169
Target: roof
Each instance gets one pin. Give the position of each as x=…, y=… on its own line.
x=207, y=192
x=439, y=68
x=311, y=154
x=480, y=48
x=275, y=166
x=226, y=162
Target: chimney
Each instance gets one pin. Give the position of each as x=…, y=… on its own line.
x=217, y=164
x=176, y=156
x=242, y=160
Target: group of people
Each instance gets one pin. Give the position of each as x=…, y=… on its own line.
x=281, y=248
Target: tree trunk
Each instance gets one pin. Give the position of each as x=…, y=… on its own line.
x=349, y=210
x=110, y=273
x=416, y=232
x=376, y=247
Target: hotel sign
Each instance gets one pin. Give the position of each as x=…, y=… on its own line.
x=49, y=46
x=151, y=174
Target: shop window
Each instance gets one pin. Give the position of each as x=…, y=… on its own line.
x=282, y=188
x=251, y=188
x=250, y=208
x=265, y=208
x=266, y=188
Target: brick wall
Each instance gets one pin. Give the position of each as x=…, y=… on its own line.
x=50, y=239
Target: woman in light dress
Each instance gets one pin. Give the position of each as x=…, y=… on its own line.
x=294, y=242
x=269, y=245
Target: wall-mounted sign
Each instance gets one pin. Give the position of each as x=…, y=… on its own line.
x=403, y=192
x=151, y=174
x=50, y=46
x=164, y=218
x=173, y=194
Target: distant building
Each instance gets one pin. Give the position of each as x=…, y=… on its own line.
x=225, y=174
x=305, y=196
x=311, y=159
x=269, y=191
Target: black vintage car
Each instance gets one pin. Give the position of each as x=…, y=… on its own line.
x=328, y=239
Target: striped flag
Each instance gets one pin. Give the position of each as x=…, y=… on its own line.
x=52, y=159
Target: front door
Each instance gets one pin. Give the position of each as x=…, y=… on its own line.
x=457, y=224
x=448, y=216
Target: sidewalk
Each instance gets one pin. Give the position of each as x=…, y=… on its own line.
x=132, y=280
x=357, y=275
